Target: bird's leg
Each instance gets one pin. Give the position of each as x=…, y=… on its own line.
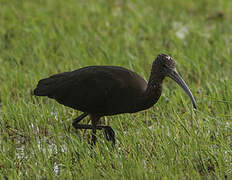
x=94, y=120
x=78, y=119
x=109, y=132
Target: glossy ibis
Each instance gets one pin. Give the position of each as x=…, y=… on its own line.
x=108, y=90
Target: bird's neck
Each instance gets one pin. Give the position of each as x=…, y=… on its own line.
x=156, y=77
x=153, y=91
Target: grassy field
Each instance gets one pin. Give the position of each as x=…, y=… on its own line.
x=169, y=141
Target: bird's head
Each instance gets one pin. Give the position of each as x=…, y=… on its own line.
x=166, y=66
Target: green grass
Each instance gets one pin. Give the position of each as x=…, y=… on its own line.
x=169, y=141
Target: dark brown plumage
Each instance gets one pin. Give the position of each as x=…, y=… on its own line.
x=108, y=90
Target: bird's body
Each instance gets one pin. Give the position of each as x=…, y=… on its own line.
x=116, y=90
x=108, y=90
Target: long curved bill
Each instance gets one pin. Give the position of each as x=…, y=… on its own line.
x=176, y=77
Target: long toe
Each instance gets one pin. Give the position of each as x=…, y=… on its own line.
x=110, y=134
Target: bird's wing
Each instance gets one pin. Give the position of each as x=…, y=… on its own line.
x=92, y=89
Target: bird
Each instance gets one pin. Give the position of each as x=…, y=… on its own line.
x=99, y=91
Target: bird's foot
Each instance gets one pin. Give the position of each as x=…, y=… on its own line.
x=110, y=134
